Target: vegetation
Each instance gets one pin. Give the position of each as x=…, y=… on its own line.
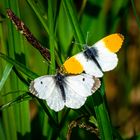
x=56, y=24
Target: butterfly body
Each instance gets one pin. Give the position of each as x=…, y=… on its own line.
x=59, y=78
x=92, y=54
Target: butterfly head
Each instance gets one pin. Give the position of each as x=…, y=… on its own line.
x=85, y=46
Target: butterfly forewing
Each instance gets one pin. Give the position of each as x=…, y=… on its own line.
x=106, y=59
x=78, y=89
x=40, y=87
x=81, y=84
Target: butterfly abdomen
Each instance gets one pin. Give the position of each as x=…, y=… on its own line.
x=92, y=54
x=60, y=83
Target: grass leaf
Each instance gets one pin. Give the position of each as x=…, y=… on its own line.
x=5, y=75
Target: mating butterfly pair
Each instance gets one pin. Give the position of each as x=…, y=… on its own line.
x=78, y=78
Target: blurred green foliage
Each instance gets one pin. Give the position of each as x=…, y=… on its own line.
x=56, y=24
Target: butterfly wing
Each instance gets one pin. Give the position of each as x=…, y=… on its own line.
x=78, y=88
x=40, y=87
x=56, y=101
x=89, y=66
x=45, y=87
x=106, y=49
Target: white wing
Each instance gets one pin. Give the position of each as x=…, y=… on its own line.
x=89, y=65
x=56, y=101
x=42, y=87
x=45, y=88
x=106, y=59
x=78, y=88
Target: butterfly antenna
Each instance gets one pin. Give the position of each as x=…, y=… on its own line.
x=87, y=37
x=49, y=64
x=77, y=43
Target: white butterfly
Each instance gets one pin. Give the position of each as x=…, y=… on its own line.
x=60, y=90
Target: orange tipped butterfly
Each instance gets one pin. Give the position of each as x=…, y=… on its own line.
x=96, y=59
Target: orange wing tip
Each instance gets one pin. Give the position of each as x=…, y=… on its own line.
x=73, y=66
x=113, y=42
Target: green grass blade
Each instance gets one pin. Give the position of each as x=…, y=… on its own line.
x=52, y=35
x=40, y=17
x=70, y=10
x=52, y=121
x=5, y=75
x=19, y=66
x=104, y=123
x=135, y=13
x=19, y=99
x=2, y=136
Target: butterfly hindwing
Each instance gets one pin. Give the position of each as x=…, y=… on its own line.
x=56, y=101
x=89, y=66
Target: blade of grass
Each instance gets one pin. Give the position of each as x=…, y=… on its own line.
x=40, y=17
x=2, y=136
x=19, y=99
x=52, y=121
x=71, y=13
x=20, y=76
x=135, y=13
x=19, y=66
x=52, y=35
x=5, y=75
x=104, y=123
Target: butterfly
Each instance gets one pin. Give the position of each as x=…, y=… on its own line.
x=98, y=58
x=62, y=90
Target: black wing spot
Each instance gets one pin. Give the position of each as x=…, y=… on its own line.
x=41, y=82
x=83, y=79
